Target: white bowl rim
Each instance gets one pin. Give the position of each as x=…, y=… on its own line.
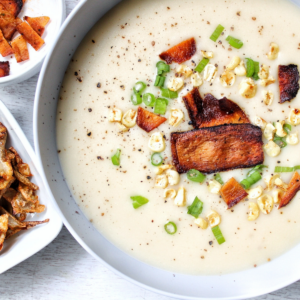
x=69, y=226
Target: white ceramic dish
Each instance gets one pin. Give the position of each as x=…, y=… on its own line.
x=56, y=10
x=25, y=244
x=249, y=283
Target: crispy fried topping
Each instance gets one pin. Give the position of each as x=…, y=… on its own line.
x=292, y=189
x=148, y=120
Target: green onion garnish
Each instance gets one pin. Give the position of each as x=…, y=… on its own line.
x=156, y=159
x=202, y=64
x=196, y=208
x=116, y=158
x=256, y=70
x=170, y=228
x=286, y=169
x=168, y=94
x=162, y=67
x=250, y=180
x=138, y=201
x=149, y=99
x=250, y=67
x=217, y=33
x=258, y=168
x=287, y=128
x=136, y=98
x=280, y=141
x=160, y=106
x=139, y=87
x=218, y=234
x=159, y=81
x=219, y=178
x=235, y=43
x=195, y=175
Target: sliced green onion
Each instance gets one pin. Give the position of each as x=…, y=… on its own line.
x=258, y=168
x=170, y=228
x=156, y=159
x=286, y=169
x=235, y=43
x=149, y=99
x=217, y=33
x=136, y=98
x=250, y=67
x=202, y=64
x=139, y=87
x=160, y=106
x=138, y=201
x=116, y=158
x=162, y=67
x=219, y=178
x=218, y=234
x=256, y=70
x=195, y=175
x=287, y=128
x=280, y=141
x=159, y=81
x=168, y=93
x=250, y=180
x=196, y=208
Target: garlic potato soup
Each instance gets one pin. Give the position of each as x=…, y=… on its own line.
x=177, y=131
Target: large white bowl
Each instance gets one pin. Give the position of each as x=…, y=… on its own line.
x=56, y=10
x=250, y=283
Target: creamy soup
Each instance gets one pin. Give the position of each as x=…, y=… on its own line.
x=123, y=48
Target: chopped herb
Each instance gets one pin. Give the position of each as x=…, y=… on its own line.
x=202, y=64
x=250, y=180
x=149, y=99
x=168, y=93
x=287, y=128
x=195, y=175
x=252, y=68
x=136, y=98
x=162, y=67
x=160, y=106
x=258, y=168
x=159, y=81
x=286, y=169
x=256, y=70
x=156, y=159
x=196, y=208
x=217, y=33
x=280, y=141
x=218, y=234
x=219, y=178
x=138, y=201
x=170, y=228
x=235, y=43
x=116, y=158
x=139, y=87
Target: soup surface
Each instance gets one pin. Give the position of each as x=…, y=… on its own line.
x=123, y=48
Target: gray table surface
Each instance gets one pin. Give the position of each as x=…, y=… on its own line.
x=64, y=270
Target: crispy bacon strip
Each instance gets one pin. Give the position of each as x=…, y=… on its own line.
x=293, y=188
x=212, y=112
x=232, y=192
x=5, y=48
x=38, y=24
x=4, y=68
x=19, y=46
x=288, y=77
x=13, y=6
x=219, y=148
x=9, y=29
x=180, y=53
x=3, y=229
x=30, y=35
x=5, y=17
x=148, y=120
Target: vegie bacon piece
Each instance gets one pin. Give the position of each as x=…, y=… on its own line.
x=219, y=148
x=30, y=35
x=288, y=82
x=13, y=6
x=4, y=68
x=148, y=120
x=180, y=53
x=5, y=17
x=212, y=112
x=5, y=48
x=232, y=192
x=293, y=188
x=9, y=29
x=19, y=46
x=38, y=24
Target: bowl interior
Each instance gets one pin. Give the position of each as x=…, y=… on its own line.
x=269, y=277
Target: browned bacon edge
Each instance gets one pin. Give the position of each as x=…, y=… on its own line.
x=180, y=53
x=219, y=148
x=288, y=77
x=4, y=68
x=212, y=112
x=148, y=120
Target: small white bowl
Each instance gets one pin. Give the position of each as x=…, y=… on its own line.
x=26, y=243
x=56, y=10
